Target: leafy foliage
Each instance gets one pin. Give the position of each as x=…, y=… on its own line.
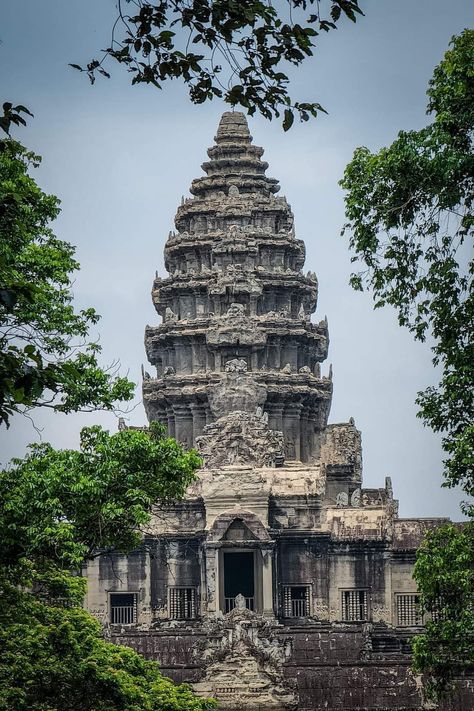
x=58, y=509
x=234, y=49
x=444, y=572
x=54, y=659
x=13, y=115
x=44, y=357
x=410, y=212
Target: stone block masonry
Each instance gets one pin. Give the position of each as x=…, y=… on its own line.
x=279, y=582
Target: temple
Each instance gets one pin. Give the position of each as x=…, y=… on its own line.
x=279, y=580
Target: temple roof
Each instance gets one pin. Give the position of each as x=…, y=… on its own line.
x=234, y=161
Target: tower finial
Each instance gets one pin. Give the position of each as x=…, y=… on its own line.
x=233, y=126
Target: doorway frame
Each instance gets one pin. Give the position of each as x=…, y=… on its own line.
x=257, y=574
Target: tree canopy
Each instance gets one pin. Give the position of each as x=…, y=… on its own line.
x=45, y=357
x=444, y=571
x=238, y=50
x=410, y=218
x=58, y=509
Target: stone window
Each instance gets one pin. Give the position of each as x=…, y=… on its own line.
x=354, y=606
x=408, y=610
x=296, y=600
x=182, y=603
x=123, y=608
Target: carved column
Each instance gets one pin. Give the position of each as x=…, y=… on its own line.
x=171, y=422
x=199, y=357
x=267, y=582
x=211, y=555
x=275, y=415
x=184, y=425
x=292, y=432
x=198, y=411
x=304, y=437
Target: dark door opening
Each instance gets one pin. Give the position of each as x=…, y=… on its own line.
x=239, y=579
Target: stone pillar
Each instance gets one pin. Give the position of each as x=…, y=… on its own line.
x=209, y=417
x=198, y=411
x=304, y=436
x=212, y=580
x=184, y=358
x=171, y=422
x=184, y=425
x=267, y=582
x=203, y=595
x=291, y=430
x=254, y=360
x=275, y=415
x=198, y=358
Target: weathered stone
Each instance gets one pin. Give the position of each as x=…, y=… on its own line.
x=279, y=581
x=239, y=438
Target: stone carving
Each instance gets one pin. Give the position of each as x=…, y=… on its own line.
x=244, y=665
x=236, y=390
x=249, y=264
x=169, y=314
x=239, y=438
x=236, y=365
x=235, y=310
x=234, y=254
x=342, y=500
x=355, y=498
x=240, y=602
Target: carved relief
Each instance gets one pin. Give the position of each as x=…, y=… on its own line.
x=244, y=665
x=239, y=438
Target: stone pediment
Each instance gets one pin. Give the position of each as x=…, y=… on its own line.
x=239, y=438
x=237, y=525
x=244, y=666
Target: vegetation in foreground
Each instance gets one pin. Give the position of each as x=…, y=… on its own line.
x=410, y=215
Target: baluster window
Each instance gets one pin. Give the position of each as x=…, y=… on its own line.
x=354, y=605
x=182, y=603
x=296, y=600
x=408, y=610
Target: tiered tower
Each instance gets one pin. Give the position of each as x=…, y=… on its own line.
x=237, y=335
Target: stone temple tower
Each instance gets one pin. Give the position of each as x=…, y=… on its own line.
x=236, y=308
x=279, y=581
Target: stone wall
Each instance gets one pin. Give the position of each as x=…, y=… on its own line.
x=328, y=668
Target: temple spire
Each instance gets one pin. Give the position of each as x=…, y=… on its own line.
x=233, y=127
x=234, y=161
x=236, y=351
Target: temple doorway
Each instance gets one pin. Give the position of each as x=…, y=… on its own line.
x=239, y=578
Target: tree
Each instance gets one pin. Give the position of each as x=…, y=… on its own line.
x=444, y=571
x=410, y=214
x=59, y=509
x=238, y=50
x=45, y=359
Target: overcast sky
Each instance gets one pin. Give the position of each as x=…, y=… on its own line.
x=120, y=157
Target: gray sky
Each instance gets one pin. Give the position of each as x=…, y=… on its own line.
x=120, y=157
